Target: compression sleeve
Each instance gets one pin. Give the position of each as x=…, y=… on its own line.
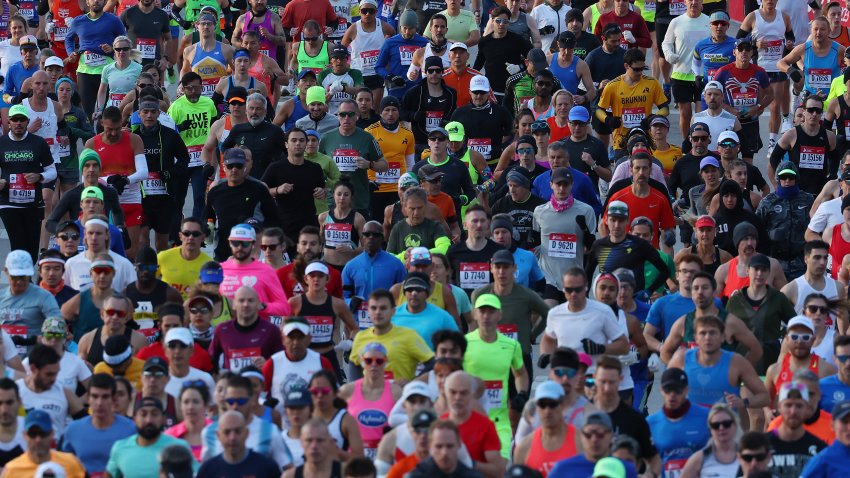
x=49, y=173
x=141, y=169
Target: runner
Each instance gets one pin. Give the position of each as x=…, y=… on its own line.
x=209, y=57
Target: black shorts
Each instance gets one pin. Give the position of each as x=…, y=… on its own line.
x=373, y=82
x=158, y=213
x=750, y=139
x=551, y=292
x=660, y=31
x=68, y=176
x=598, y=126
x=650, y=26
x=777, y=76
x=684, y=91
x=709, y=8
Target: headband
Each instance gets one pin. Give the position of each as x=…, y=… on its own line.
x=97, y=222
x=241, y=54
x=65, y=80
x=149, y=105
x=253, y=373
x=46, y=260
x=117, y=359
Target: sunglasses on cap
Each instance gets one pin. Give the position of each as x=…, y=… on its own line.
x=539, y=126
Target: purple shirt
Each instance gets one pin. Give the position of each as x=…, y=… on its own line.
x=234, y=346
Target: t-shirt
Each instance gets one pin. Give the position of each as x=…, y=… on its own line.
x=595, y=322
x=517, y=307
x=145, y=30
x=397, y=146
x=494, y=53
x=129, y=460
x=120, y=82
x=629, y=422
x=632, y=253
x=478, y=434
x=655, y=206
x=446, y=206
x=200, y=115
x=23, y=314
x=459, y=27
x=631, y=103
x=522, y=214
x=405, y=350
x=234, y=345
x=178, y=272
x=200, y=358
x=425, y=323
x=580, y=467
x=29, y=155
x=472, y=268
x=297, y=209
x=668, y=157
x=561, y=239
x=254, y=465
x=175, y=384
x=789, y=458
x=678, y=439
x=344, y=150
x=605, y=65
x=833, y=391
x=595, y=148
x=404, y=236
x=24, y=466
x=92, y=445
x=742, y=86
x=133, y=373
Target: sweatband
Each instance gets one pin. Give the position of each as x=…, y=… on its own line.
x=47, y=260
x=97, y=222
x=118, y=359
x=148, y=105
x=65, y=80
x=241, y=54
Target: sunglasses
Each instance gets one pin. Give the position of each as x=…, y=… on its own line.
x=547, y=403
x=562, y=372
x=18, y=119
x=155, y=374
x=269, y=247
x=539, y=126
x=320, y=391
x=749, y=457
x=745, y=47
x=311, y=39
x=147, y=267
x=143, y=85
x=192, y=233
x=638, y=68
x=53, y=336
x=176, y=344
x=377, y=361
x=801, y=337
x=577, y=123
x=116, y=313
x=347, y=114
x=699, y=139
x=669, y=390
x=814, y=110
x=234, y=166
x=69, y=237
x=717, y=24
x=842, y=358
x=721, y=424
x=595, y=434
x=787, y=177
x=122, y=48
x=525, y=151
x=199, y=310
x=437, y=139
x=236, y=401
x=573, y=290
x=589, y=382
x=372, y=234
x=434, y=70
x=368, y=11
x=242, y=244
x=502, y=21
x=35, y=433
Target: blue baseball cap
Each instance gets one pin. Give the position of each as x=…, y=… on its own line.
x=40, y=419
x=297, y=396
x=579, y=113
x=211, y=273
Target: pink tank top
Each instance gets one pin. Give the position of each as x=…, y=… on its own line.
x=256, y=71
x=371, y=417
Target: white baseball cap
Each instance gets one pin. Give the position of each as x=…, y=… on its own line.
x=728, y=135
x=479, y=83
x=19, y=263
x=180, y=334
x=416, y=387
x=713, y=85
x=54, y=61
x=802, y=321
x=242, y=232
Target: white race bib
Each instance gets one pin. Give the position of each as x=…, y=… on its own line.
x=562, y=245
x=474, y=274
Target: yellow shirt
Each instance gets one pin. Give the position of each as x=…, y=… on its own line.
x=24, y=467
x=397, y=147
x=405, y=350
x=668, y=157
x=133, y=372
x=178, y=272
x=632, y=104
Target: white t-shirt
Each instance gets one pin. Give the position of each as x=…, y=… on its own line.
x=72, y=370
x=827, y=215
x=78, y=274
x=175, y=384
x=596, y=322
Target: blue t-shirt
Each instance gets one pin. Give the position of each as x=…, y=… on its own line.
x=129, y=460
x=528, y=270
x=363, y=274
x=92, y=446
x=583, y=189
x=389, y=62
x=91, y=34
x=710, y=56
x=425, y=323
x=254, y=465
x=15, y=77
x=666, y=310
x=677, y=441
x=832, y=391
x=580, y=467
x=832, y=461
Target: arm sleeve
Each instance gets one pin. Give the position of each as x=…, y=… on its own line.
x=113, y=205
x=141, y=169
x=49, y=173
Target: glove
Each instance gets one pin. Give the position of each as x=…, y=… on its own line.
x=513, y=69
x=336, y=86
x=629, y=36
x=588, y=236
x=464, y=200
x=612, y=122
x=186, y=24
x=344, y=345
x=795, y=74
x=654, y=363
x=669, y=238
x=354, y=303
x=699, y=82
x=547, y=30
x=118, y=182
x=185, y=125
x=397, y=81
x=519, y=401
x=630, y=358
x=208, y=171
x=2, y=79
x=592, y=348
x=543, y=360
x=642, y=296
x=125, y=236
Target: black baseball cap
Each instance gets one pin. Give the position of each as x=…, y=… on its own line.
x=675, y=378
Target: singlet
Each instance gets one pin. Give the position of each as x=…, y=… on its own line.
x=520, y=26
x=820, y=70
x=371, y=416
x=843, y=118
x=256, y=72
x=830, y=291
x=289, y=374
x=785, y=373
x=838, y=248
x=435, y=298
x=398, y=214
x=733, y=280
x=428, y=53
x=404, y=444
x=88, y=318
x=298, y=112
x=95, y=354
x=119, y=159
x=49, y=123
x=211, y=66
x=335, y=429
x=626, y=383
x=540, y=116
x=336, y=470
x=316, y=63
x=772, y=36
x=339, y=231
x=708, y=384
x=230, y=84
x=366, y=47
x=322, y=320
x=144, y=306
x=17, y=445
x=798, y=13
x=594, y=16
x=711, y=467
x=566, y=75
x=710, y=268
x=843, y=38
x=539, y=458
x=170, y=409
x=267, y=47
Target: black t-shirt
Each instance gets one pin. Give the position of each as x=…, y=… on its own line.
x=495, y=53
x=29, y=155
x=471, y=268
x=585, y=44
x=632, y=254
x=522, y=215
x=628, y=422
x=789, y=458
x=298, y=208
x=232, y=205
x=685, y=174
x=755, y=180
x=425, y=9
x=604, y=65
x=254, y=465
x=145, y=30
x=592, y=146
x=456, y=180
x=485, y=124
x=266, y=142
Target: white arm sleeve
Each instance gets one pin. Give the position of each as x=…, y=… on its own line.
x=141, y=169
x=49, y=173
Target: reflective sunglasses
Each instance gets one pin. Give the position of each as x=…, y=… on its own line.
x=377, y=361
x=147, y=267
x=525, y=151
x=116, y=312
x=562, y=372
x=347, y=114
x=320, y=391
x=199, y=310
x=842, y=358
x=502, y=21
x=539, y=126
x=102, y=270
x=53, y=336
x=236, y=401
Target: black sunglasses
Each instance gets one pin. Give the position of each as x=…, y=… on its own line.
x=372, y=234
x=721, y=424
x=242, y=244
x=69, y=237
x=749, y=457
x=192, y=233
x=234, y=166
x=814, y=110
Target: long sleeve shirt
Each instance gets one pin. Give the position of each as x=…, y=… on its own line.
x=262, y=278
x=682, y=36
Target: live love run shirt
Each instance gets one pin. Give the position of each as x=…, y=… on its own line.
x=29, y=155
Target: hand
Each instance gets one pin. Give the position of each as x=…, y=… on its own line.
x=286, y=188
x=587, y=158
x=319, y=193
x=328, y=30
x=733, y=401
x=654, y=363
x=612, y=122
x=513, y=69
x=669, y=238
x=519, y=401
x=759, y=44
x=3, y=183
x=35, y=125
x=164, y=64
x=64, y=140
x=629, y=36
x=630, y=358
x=543, y=360
x=32, y=178
x=795, y=74
x=413, y=73
x=106, y=48
x=208, y=171
x=259, y=362
x=362, y=163
x=185, y=124
x=592, y=348
x=118, y=182
x=397, y=81
x=547, y=30
x=49, y=28
x=602, y=84
x=263, y=32
x=579, y=99
x=344, y=345
x=187, y=25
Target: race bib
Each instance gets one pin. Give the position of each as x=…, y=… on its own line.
x=346, y=160
x=673, y=468
x=562, y=245
x=847, y=129
x=391, y=175
x=154, y=185
x=28, y=13
x=93, y=59
x=482, y=145
x=276, y=320
x=64, y=149
x=115, y=99
x=819, y=78
x=337, y=234
x=493, y=395
x=17, y=331
x=474, y=274
x=151, y=334
x=649, y=6
x=633, y=116
x=363, y=319
x=264, y=52
x=240, y=358
x=433, y=119
x=341, y=27
x=59, y=33
x=510, y=331
x=195, y=155
x=20, y=191
x=771, y=53
x=387, y=9
x=370, y=449
x=811, y=157
x=406, y=53
x=677, y=7
x=744, y=100
x=368, y=59
x=147, y=47
x=711, y=73
x=321, y=328
x=208, y=86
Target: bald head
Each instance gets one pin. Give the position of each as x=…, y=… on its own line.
x=460, y=379
x=231, y=418
x=232, y=432
x=247, y=305
x=40, y=84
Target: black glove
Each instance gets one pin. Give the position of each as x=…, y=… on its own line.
x=669, y=238
x=397, y=81
x=187, y=25
x=592, y=348
x=125, y=236
x=543, y=360
x=208, y=171
x=699, y=83
x=547, y=30
x=354, y=303
x=118, y=182
x=185, y=125
x=795, y=74
x=612, y=122
x=519, y=401
x=588, y=236
x=2, y=79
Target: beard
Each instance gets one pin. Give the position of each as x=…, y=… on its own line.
x=149, y=431
x=255, y=121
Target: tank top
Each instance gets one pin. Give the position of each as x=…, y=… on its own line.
x=53, y=401
x=295, y=448
x=540, y=116
x=566, y=75
x=89, y=316
x=316, y=63
x=798, y=14
x=772, y=36
x=843, y=118
x=95, y=354
x=404, y=444
x=340, y=231
x=267, y=47
x=820, y=70
x=830, y=291
x=843, y=38
x=335, y=429
x=708, y=384
x=366, y=47
x=230, y=84
x=824, y=350
x=298, y=112
x=397, y=215
x=170, y=409
x=539, y=458
x=144, y=306
x=710, y=268
x=371, y=416
x=445, y=56
x=733, y=280
x=210, y=65
x=838, y=248
x=336, y=470
x=520, y=27
x=786, y=374
x=49, y=125
x=119, y=159
x=322, y=320
x=467, y=160
x=711, y=467
x=256, y=72
x=594, y=16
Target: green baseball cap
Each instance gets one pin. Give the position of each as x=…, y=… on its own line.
x=456, y=131
x=87, y=155
x=609, y=467
x=316, y=94
x=488, y=300
x=53, y=325
x=91, y=192
x=19, y=110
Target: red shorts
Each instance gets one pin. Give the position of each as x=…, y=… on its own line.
x=132, y=214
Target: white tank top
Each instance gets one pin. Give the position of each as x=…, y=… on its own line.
x=288, y=373
x=774, y=34
x=445, y=56
x=295, y=448
x=404, y=443
x=432, y=384
x=825, y=349
x=52, y=401
x=798, y=13
x=366, y=47
x=804, y=289
x=49, y=126
x=335, y=429
x=627, y=383
x=711, y=468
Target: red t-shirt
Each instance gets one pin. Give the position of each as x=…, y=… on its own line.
x=656, y=207
x=292, y=287
x=200, y=358
x=297, y=12
x=479, y=435
x=632, y=22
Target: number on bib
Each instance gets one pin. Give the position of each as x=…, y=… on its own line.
x=346, y=160
x=562, y=245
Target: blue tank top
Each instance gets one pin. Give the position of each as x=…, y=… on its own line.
x=88, y=318
x=298, y=112
x=678, y=440
x=567, y=76
x=707, y=384
x=820, y=70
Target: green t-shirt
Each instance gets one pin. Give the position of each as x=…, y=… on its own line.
x=516, y=313
x=650, y=273
x=344, y=151
x=492, y=363
x=201, y=116
x=459, y=27
x=331, y=177
x=403, y=235
x=129, y=460
x=120, y=81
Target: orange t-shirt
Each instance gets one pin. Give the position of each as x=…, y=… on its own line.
x=24, y=466
x=403, y=466
x=656, y=207
x=446, y=206
x=821, y=428
x=557, y=132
